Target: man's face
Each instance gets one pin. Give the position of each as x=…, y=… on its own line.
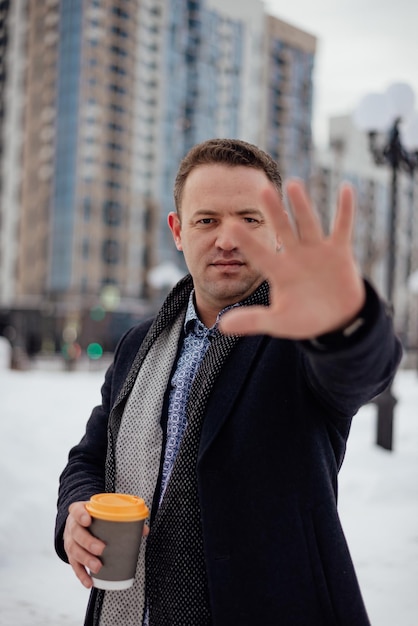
x=215, y=199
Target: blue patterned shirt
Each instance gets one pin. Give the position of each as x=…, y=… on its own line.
x=196, y=342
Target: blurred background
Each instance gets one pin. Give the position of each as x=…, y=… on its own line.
x=100, y=100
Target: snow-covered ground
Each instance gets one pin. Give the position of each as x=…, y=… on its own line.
x=43, y=414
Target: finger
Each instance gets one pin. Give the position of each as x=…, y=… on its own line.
x=76, y=527
x=246, y=321
x=342, y=232
x=82, y=575
x=81, y=546
x=79, y=512
x=77, y=555
x=278, y=217
x=80, y=558
x=86, y=540
x=307, y=221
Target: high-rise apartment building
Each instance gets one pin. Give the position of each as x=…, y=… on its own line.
x=213, y=85
x=99, y=101
x=287, y=133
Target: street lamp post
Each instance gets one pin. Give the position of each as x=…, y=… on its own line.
x=394, y=154
x=377, y=112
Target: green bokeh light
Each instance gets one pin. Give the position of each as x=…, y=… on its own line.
x=94, y=351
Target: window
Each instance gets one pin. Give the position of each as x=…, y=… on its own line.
x=119, y=51
x=116, y=30
x=87, y=208
x=112, y=213
x=110, y=251
x=86, y=249
x=120, y=13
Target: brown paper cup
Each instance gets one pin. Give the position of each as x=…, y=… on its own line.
x=118, y=520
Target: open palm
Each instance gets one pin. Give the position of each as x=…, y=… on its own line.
x=315, y=285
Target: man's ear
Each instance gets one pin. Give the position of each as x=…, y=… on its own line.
x=175, y=227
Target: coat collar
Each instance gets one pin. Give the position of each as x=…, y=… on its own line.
x=226, y=392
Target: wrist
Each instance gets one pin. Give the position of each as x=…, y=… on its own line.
x=339, y=336
x=353, y=331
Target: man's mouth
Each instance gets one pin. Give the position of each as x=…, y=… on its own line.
x=226, y=265
x=227, y=261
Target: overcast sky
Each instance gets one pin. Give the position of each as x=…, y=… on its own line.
x=363, y=46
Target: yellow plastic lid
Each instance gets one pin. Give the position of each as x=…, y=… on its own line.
x=117, y=507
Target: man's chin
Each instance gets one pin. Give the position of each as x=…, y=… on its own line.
x=231, y=290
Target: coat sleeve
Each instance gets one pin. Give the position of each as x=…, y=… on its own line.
x=347, y=372
x=84, y=474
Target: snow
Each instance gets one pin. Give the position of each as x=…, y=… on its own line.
x=44, y=413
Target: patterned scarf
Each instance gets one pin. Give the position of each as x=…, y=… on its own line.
x=175, y=566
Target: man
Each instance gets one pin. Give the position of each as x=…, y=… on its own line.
x=229, y=414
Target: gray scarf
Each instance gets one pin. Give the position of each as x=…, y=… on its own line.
x=133, y=462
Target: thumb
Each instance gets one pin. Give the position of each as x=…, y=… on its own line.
x=245, y=321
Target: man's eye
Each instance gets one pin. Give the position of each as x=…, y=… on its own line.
x=206, y=220
x=250, y=220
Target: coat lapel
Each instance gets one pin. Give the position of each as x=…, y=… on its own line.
x=225, y=393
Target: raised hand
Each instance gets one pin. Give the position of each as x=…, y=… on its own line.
x=315, y=285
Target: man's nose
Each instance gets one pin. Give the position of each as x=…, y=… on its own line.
x=226, y=238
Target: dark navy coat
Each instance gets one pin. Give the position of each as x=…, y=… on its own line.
x=273, y=440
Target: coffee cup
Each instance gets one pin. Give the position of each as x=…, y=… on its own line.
x=118, y=520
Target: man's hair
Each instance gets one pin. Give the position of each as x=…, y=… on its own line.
x=231, y=152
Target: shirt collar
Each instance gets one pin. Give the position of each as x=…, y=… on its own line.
x=192, y=322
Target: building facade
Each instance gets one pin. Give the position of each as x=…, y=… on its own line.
x=99, y=102
x=287, y=134
x=12, y=101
